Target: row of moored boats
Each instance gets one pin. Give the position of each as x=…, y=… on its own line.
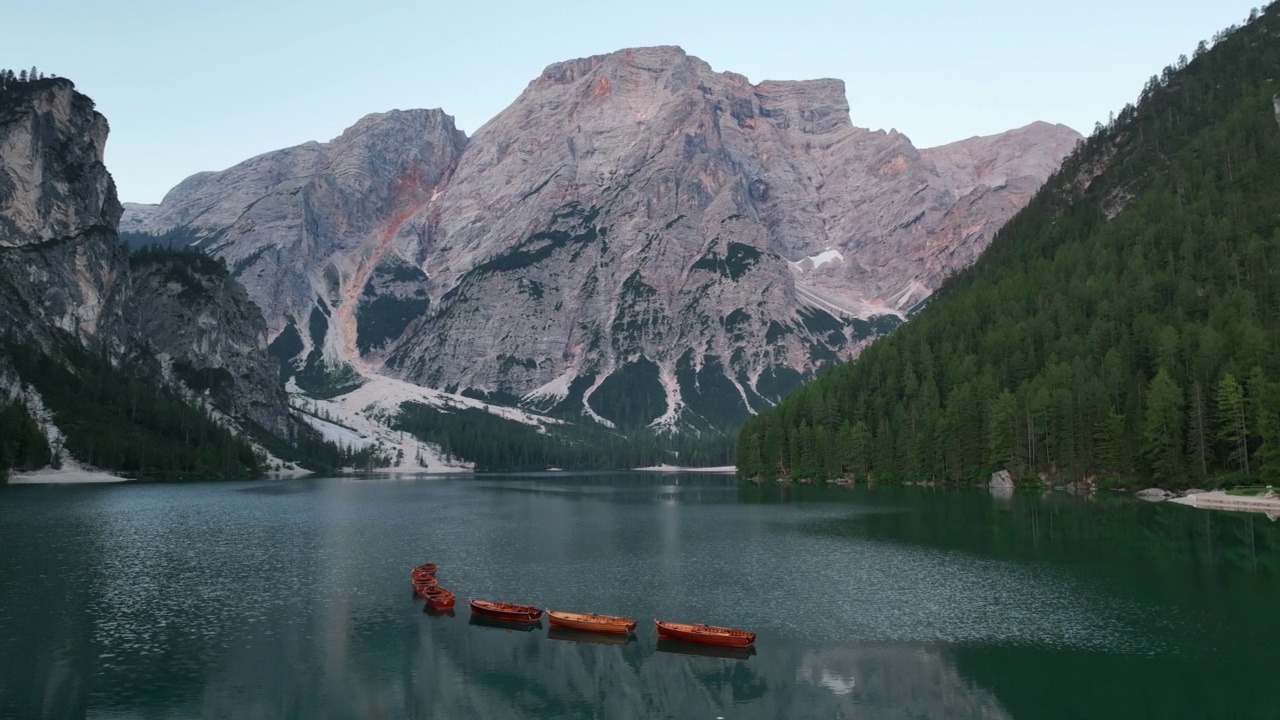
x=426, y=586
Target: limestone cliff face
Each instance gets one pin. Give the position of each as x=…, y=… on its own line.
x=65, y=277
x=993, y=177
x=59, y=258
x=637, y=238
x=194, y=316
x=306, y=227
x=54, y=185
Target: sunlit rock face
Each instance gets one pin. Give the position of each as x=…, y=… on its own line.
x=638, y=238
x=59, y=257
x=66, y=279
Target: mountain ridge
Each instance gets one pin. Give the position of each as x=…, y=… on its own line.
x=633, y=220
x=1135, y=338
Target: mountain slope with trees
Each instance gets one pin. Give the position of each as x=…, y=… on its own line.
x=1125, y=324
x=150, y=366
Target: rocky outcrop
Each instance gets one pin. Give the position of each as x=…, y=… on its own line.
x=60, y=264
x=638, y=238
x=66, y=284
x=137, y=217
x=53, y=185
x=202, y=325
x=308, y=226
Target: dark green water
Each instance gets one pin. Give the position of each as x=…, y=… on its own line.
x=292, y=600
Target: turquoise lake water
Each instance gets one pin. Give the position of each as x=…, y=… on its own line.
x=291, y=599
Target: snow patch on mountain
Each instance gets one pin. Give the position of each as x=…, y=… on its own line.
x=813, y=262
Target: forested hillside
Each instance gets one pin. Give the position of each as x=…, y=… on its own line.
x=495, y=443
x=1126, y=324
x=22, y=445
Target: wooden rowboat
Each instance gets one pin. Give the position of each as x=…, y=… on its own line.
x=590, y=622
x=423, y=591
x=505, y=611
x=427, y=581
x=425, y=569
x=440, y=598
x=704, y=634
x=506, y=625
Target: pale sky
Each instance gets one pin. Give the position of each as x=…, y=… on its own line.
x=201, y=85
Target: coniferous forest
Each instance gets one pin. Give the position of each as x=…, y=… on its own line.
x=1124, y=326
x=122, y=422
x=22, y=445
x=495, y=443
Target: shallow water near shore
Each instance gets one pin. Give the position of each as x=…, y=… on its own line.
x=291, y=599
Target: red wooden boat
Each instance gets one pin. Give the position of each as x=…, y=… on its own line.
x=427, y=581
x=440, y=599
x=423, y=591
x=590, y=622
x=704, y=634
x=425, y=569
x=505, y=611
x=505, y=625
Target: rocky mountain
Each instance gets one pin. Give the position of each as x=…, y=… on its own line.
x=59, y=257
x=637, y=239
x=202, y=325
x=88, y=331
x=306, y=228
x=1108, y=330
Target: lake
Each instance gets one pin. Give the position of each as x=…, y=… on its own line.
x=291, y=599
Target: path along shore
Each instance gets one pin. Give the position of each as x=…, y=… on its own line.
x=680, y=468
x=1218, y=500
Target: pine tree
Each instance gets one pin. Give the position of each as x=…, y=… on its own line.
x=1003, y=419
x=1162, y=432
x=1198, y=431
x=1255, y=394
x=1268, y=423
x=860, y=442
x=1231, y=418
x=1110, y=438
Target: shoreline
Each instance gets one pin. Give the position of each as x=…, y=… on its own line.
x=64, y=476
x=664, y=468
x=1219, y=500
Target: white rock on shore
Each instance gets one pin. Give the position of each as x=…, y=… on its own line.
x=1219, y=500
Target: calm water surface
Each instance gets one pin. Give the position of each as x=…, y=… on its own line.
x=292, y=600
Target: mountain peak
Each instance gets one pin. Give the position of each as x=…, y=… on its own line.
x=658, y=58
x=397, y=120
x=633, y=224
